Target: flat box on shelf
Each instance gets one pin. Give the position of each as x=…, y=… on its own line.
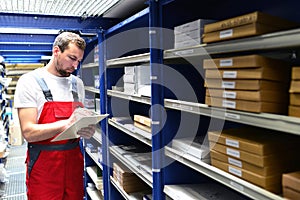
x=291, y=180
x=249, y=106
x=294, y=111
x=238, y=32
x=290, y=193
x=259, y=73
x=263, y=171
x=245, y=84
x=295, y=86
x=247, y=61
x=249, y=18
x=255, y=95
x=295, y=99
x=270, y=183
x=143, y=120
x=193, y=25
x=254, y=140
x=296, y=73
x=257, y=160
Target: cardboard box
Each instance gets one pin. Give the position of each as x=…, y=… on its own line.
x=290, y=193
x=238, y=32
x=247, y=61
x=270, y=183
x=295, y=99
x=263, y=171
x=296, y=73
x=291, y=180
x=295, y=86
x=143, y=120
x=265, y=73
x=294, y=111
x=245, y=84
x=142, y=126
x=275, y=96
x=249, y=18
x=249, y=106
x=255, y=140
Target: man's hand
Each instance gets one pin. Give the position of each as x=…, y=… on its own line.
x=87, y=132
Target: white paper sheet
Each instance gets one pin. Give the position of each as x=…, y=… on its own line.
x=85, y=117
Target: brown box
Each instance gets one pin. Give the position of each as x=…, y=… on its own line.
x=264, y=73
x=296, y=73
x=247, y=61
x=238, y=32
x=290, y=194
x=254, y=140
x=249, y=18
x=295, y=86
x=294, y=111
x=257, y=160
x=249, y=106
x=245, y=84
x=291, y=180
x=295, y=99
x=263, y=171
x=143, y=127
x=143, y=120
x=271, y=183
x=254, y=95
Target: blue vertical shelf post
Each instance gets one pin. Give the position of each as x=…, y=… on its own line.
x=157, y=96
x=103, y=110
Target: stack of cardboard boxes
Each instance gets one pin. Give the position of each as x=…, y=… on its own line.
x=255, y=23
x=250, y=83
x=294, y=107
x=127, y=180
x=255, y=155
x=137, y=80
x=190, y=34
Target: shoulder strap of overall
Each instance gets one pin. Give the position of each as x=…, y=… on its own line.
x=43, y=85
x=74, y=88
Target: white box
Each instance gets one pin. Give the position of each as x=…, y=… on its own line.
x=193, y=25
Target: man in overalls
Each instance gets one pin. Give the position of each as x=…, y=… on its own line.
x=45, y=99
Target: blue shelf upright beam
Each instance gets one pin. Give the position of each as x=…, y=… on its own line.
x=103, y=110
x=157, y=96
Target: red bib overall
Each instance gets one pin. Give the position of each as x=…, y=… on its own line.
x=55, y=169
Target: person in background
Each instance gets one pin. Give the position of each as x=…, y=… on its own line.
x=45, y=99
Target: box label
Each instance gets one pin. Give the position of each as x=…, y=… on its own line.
x=232, y=116
x=230, y=74
x=232, y=143
x=231, y=95
x=228, y=104
x=226, y=33
x=228, y=84
x=235, y=162
x=226, y=62
x=235, y=171
x=232, y=152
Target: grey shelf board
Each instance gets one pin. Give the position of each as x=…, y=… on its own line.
x=223, y=177
x=276, y=40
x=140, y=173
x=94, y=156
x=264, y=120
x=140, y=58
x=92, y=89
x=90, y=65
x=137, y=136
x=122, y=95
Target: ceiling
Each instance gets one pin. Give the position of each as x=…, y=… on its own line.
x=29, y=27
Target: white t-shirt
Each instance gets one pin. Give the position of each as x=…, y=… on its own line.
x=29, y=93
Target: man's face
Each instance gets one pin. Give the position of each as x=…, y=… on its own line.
x=66, y=62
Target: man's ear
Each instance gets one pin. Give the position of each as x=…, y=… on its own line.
x=55, y=50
